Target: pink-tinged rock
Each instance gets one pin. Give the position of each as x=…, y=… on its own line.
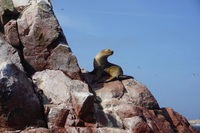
x=128, y=90
x=62, y=117
x=136, y=109
x=57, y=116
x=36, y=34
x=156, y=121
x=83, y=105
x=62, y=59
x=87, y=130
x=20, y=107
x=81, y=130
x=45, y=46
x=139, y=94
x=59, y=130
x=35, y=130
x=126, y=110
x=111, y=130
x=11, y=33
x=59, y=89
x=178, y=122
x=55, y=85
x=137, y=125
x=108, y=117
x=110, y=90
x=72, y=130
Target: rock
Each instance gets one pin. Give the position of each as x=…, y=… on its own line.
x=20, y=3
x=45, y=46
x=131, y=105
x=59, y=89
x=62, y=117
x=19, y=105
x=83, y=105
x=35, y=34
x=9, y=55
x=129, y=90
x=111, y=130
x=139, y=94
x=156, y=120
x=120, y=101
x=136, y=124
x=109, y=90
x=35, y=130
x=11, y=33
x=62, y=59
x=57, y=116
x=178, y=122
x=55, y=86
x=125, y=110
x=101, y=118
x=7, y=12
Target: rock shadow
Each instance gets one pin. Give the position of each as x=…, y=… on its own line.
x=104, y=119
x=18, y=94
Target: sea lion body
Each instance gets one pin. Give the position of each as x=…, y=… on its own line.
x=103, y=67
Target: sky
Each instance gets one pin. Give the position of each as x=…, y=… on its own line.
x=155, y=41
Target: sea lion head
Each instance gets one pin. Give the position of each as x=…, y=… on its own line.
x=106, y=52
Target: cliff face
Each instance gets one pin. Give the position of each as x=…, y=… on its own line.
x=42, y=88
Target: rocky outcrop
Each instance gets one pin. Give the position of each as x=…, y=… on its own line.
x=136, y=110
x=58, y=89
x=43, y=90
x=19, y=105
x=36, y=32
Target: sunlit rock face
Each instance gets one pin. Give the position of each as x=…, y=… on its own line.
x=130, y=106
x=33, y=28
x=42, y=88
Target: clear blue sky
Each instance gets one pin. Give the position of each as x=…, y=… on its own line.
x=156, y=41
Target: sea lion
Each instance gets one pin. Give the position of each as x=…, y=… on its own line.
x=103, y=67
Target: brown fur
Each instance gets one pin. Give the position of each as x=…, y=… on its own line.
x=103, y=67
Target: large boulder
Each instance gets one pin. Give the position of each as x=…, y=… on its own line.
x=44, y=45
x=127, y=91
x=19, y=105
x=139, y=94
x=60, y=90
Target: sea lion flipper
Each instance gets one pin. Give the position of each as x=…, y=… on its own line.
x=125, y=77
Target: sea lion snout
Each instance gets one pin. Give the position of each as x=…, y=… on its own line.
x=112, y=52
